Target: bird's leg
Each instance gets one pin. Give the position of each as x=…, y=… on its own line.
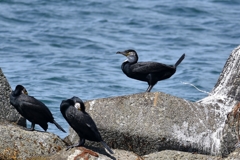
x=80, y=143
x=30, y=129
x=149, y=88
x=150, y=82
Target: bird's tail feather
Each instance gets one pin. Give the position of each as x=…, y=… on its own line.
x=58, y=126
x=107, y=147
x=180, y=60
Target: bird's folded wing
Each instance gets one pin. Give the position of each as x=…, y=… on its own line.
x=83, y=119
x=147, y=67
x=93, y=127
x=91, y=124
x=34, y=107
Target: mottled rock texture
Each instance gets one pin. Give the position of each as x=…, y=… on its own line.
x=83, y=153
x=226, y=93
x=235, y=155
x=177, y=155
x=150, y=122
x=7, y=111
x=80, y=153
x=227, y=88
x=17, y=143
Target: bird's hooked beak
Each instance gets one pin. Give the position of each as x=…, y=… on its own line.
x=24, y=91
x=123, y=53
x=77, y=106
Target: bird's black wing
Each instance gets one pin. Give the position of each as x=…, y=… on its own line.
x=90, y=123
x=85, y=125
x=33, y=108
x=149, y=67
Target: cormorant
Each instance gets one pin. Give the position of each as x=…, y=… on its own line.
x=150, y=72
x=73, y=110
x=32, y=109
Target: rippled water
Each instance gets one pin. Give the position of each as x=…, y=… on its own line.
x=58, y=49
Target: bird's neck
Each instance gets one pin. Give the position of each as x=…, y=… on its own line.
x=64, y=107
x=124, y=64
x=131, y=60
x=82, y=106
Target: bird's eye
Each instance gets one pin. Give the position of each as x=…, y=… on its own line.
x=130, y=53
x=25, y=92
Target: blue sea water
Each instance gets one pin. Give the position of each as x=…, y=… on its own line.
x=58, y=49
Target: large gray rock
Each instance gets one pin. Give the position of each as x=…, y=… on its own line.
x=16, y=143
x=83, y=153
x=226, y=93
x=7, y=111
x=150, y=122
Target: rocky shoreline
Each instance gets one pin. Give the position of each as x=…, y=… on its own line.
x=139, y=126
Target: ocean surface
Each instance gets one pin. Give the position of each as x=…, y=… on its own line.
x=60, y=49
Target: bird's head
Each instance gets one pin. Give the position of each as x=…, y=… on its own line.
x=131, y=55
x=20, y=90
x=78, y=104
x=65, y=105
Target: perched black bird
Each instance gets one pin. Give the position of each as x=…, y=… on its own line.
x=32, y=109
x=73, y=110
x=150, y=72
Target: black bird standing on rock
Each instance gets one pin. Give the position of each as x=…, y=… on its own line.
x=32, y=109
x=73, y=110
x=150, y=72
